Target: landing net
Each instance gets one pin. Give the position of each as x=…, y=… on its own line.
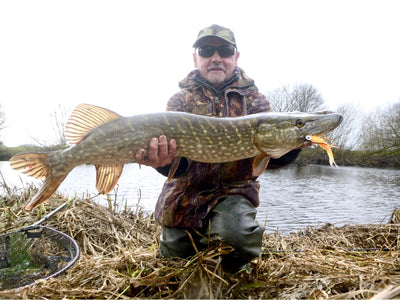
x=33, y=253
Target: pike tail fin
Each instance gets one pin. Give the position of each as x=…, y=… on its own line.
x=36, y=165
x=49, y=187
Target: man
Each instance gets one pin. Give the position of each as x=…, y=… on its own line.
x=208, y=203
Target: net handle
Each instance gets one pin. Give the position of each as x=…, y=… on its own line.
x=46, y=217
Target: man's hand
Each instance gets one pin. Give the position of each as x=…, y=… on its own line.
x=160, y=154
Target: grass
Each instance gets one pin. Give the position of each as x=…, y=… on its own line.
x=119, y=259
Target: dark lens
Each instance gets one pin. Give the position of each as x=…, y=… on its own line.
x=206, y=51
x=226, y=51
x=223, y=51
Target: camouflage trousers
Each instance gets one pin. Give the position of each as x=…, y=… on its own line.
x=231, y=222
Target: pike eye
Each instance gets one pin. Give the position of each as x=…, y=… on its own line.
x=300, y=123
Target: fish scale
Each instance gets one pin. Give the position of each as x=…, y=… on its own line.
x=108, y=141
x=198, y=138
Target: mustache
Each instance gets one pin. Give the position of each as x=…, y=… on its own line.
x=216, y=66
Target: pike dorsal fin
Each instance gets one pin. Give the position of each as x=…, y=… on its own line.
x=107, y=177
x=84, y=119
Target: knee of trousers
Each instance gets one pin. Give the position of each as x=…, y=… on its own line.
x=233, y=221
x=175, y=242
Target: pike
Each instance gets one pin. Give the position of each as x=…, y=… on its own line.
x=108, y=141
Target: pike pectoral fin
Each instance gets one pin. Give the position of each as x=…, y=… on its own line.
x=84, y=119
x=260, y=163
x=173, y=168
x=107, y=177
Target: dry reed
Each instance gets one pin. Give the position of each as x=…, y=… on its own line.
x=119, y=259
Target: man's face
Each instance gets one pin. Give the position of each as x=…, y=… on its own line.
x=215, y=69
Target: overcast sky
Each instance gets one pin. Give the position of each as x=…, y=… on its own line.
x=128, y=56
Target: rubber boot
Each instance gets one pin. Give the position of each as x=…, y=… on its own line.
x=233, y=222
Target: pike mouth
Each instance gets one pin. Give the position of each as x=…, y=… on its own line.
x=306, y=143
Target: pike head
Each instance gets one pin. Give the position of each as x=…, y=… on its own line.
x=279, y=133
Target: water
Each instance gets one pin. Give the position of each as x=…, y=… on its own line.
x=292, y=198
x=297, y=197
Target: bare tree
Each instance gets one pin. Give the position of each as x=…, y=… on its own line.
x=381, y=129
x=57, y=121
x=2, y=123
x=304, y=98
x=347, y=135
x=2, y=119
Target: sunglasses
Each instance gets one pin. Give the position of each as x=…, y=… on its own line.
x=223, y=51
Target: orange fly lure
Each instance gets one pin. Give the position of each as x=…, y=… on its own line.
x=324, y=145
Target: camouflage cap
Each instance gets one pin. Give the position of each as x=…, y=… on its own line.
x=216, y=31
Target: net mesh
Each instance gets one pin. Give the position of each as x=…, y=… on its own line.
x=33, y=253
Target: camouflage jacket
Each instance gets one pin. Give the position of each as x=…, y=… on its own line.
x=196, y=188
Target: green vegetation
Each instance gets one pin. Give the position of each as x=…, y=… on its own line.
x=17, y=264
x=358, y=158
x=7, y=152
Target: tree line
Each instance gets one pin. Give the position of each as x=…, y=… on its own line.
x=364, y=139
x=370, y=139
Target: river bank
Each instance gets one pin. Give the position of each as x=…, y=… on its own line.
x=119, y=259
x=350, y=158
